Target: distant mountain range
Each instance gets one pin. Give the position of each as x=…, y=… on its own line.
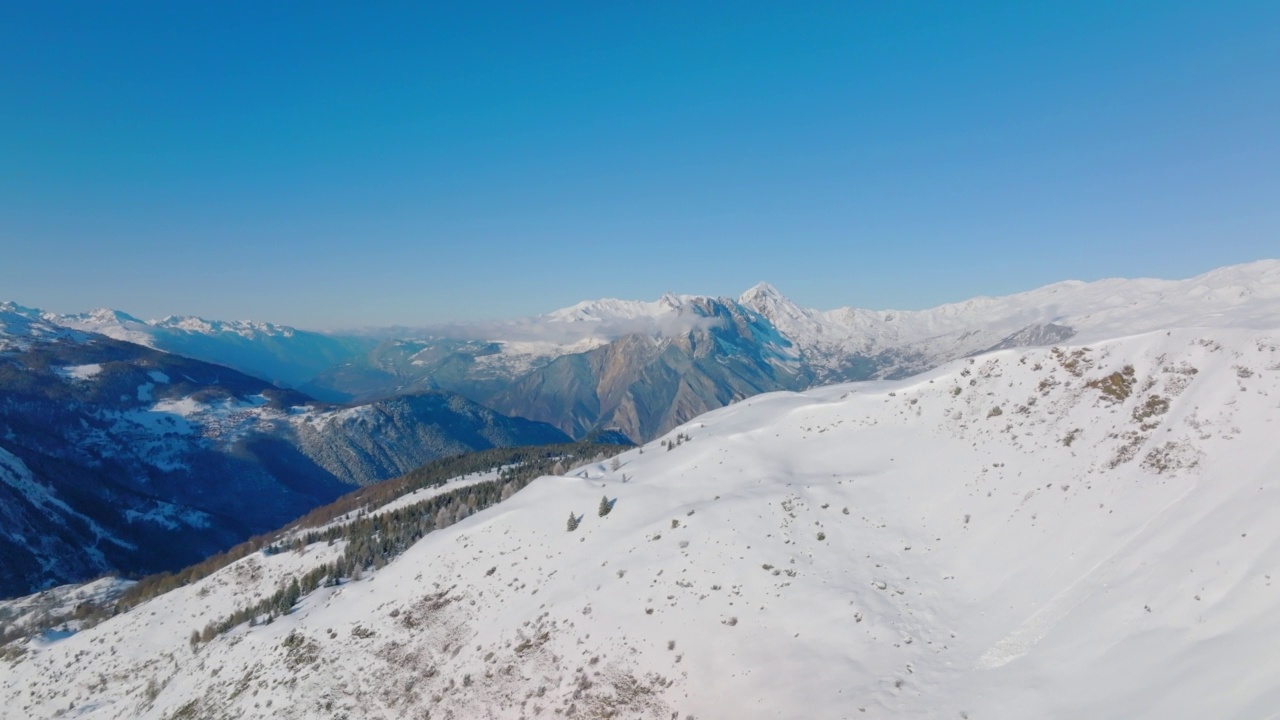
x=645, y=367
x=283, y=355
x=115, y=457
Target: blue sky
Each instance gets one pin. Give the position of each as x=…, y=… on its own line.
x=331, y=165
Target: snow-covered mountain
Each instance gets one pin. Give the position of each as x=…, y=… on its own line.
x=118, y=458
x=907, y=341
x=645, y=367
x=1076, y=531
x=281, y=354
x=21, y=326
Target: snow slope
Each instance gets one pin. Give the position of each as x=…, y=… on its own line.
x=62, y=601
x=1068, y=532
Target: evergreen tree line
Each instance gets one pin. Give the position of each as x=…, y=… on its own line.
x=372, y=541
x=534, y=460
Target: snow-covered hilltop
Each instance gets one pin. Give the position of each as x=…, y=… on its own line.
x=1075, y=531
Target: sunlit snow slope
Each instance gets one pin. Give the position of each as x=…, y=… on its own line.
x=1071, y=532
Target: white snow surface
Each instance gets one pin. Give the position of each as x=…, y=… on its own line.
x=1075, y=532
x=79, y=372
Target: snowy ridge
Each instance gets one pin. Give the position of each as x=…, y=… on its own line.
x=1070, y=532
x=848, y=343
x=1225, y=297
x=612, y=309
x=123, y=326
x=1242, y=295
x=278, y=353
x=19, y=325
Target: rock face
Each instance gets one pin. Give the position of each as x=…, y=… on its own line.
x=645, y=386
x=118, y=458
x=373, y=442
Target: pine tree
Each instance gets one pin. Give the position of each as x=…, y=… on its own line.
x=573, y=521
x=605, y=505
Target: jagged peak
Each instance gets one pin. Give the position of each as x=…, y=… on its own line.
x=672, y=300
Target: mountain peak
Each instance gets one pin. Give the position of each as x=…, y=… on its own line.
x=761, y=291
x=9, y=306
x=108, y=315
x=766, y=300
x=671, y=300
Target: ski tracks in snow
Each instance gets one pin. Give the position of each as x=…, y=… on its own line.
x=1035, y=628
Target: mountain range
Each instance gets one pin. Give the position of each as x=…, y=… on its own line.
x=118, y=434
x=643, y=368
x=118, y=458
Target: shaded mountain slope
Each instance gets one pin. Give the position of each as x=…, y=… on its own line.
x=116, y=457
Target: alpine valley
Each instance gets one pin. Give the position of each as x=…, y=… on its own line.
x=117, y=458
x=1053, y=504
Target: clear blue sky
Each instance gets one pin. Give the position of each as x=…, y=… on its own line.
x=330, y=165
